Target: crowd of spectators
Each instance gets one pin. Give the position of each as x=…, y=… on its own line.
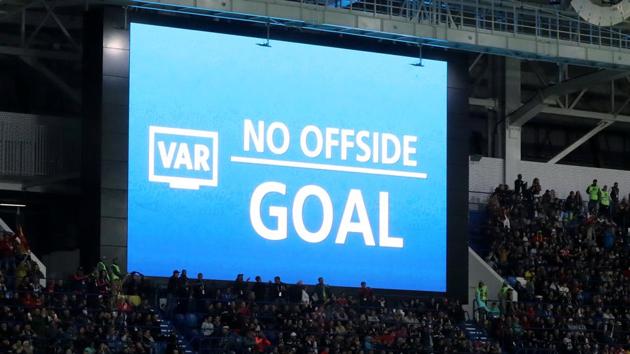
x=566, y=258
x=274, y=317
x=568, y=261
x=88, y=313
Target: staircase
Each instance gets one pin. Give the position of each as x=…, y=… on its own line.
x=474, y=332
x=42, y=268
x=167, y=329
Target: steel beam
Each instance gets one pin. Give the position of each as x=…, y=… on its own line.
x=586, y=114
x=577, y=99
x=431, y=30
x=75, y=95
x=63, y=29
x=46, y=181
x=600, y=126
x=472, y=66
x=489, y=103
x=535, y=105
x=623, y=105
x=36, y=53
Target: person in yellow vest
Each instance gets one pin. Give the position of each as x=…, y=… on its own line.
x=116, y=276
x=593, y=192
x=604, y=202
x=101, y=267
x=481, y=298
x=482, y=294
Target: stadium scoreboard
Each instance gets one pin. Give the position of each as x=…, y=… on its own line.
x=297, y=160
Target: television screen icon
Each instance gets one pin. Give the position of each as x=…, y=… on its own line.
x=183, y=158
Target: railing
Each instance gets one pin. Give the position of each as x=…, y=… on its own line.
x=38, y=146
x=477, y=200
x=498, y=18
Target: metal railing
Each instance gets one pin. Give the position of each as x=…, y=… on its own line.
x=498, y=18
x=32, y=145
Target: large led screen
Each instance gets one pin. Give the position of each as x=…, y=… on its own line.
x=292, y=159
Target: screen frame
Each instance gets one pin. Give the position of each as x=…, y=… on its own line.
x=457, y=110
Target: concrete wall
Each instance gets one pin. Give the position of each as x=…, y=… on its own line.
x=62, y=264
x=113, y=191
x=479, y=270
x=486, y=174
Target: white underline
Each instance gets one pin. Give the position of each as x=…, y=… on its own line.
x=327, y=167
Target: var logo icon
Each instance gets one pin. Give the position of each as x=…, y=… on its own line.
x=183, y=158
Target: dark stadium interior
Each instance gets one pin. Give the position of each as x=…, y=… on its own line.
x=536, y=198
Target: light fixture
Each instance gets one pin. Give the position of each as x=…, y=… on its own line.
x=13, y=205
x=419, y=63
x=602, y=14
x=266, y=43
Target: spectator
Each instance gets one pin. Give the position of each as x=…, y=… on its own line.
x=207, y=327
x=519, y=185
x=503, y=296
x=278, y=289
x=336, y=326
x=7, y=254
x=101, y=267
x=116, y=275
x=561, y=265
x=579, y=203
x=199, y=291
x=240, y=287
x=365, y=294
x=322, y=293
x=133, y=284
x=260, y=289
x=304, y=298
x=604, y=202
x=79, y=280
x=614, y=192
x=183, y=292
x=74, y=317
x=482, y=292
x=172, y=291
x=593, y=193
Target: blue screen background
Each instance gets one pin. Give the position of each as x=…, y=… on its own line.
x=209, y=81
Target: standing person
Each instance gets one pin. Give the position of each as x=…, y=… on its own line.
x=503, y=296
x=260, y=289
x=614, y=197
x=593, y=192
x=7, y=254
x=604, y=202
x=482, y=293
x=183, y=292
x=199, y=292
x=624, y=214
x=298, y=293
x=79, y=280
x=535, y=188
x=171, y=293
x=365, y=294
x=116, y=276
x=278, y=290
x=103, y=284
x=579, y=203
x=569, y=206
x=519, y=185
x=322, y=291
x=239, y=289
x=101, y=266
